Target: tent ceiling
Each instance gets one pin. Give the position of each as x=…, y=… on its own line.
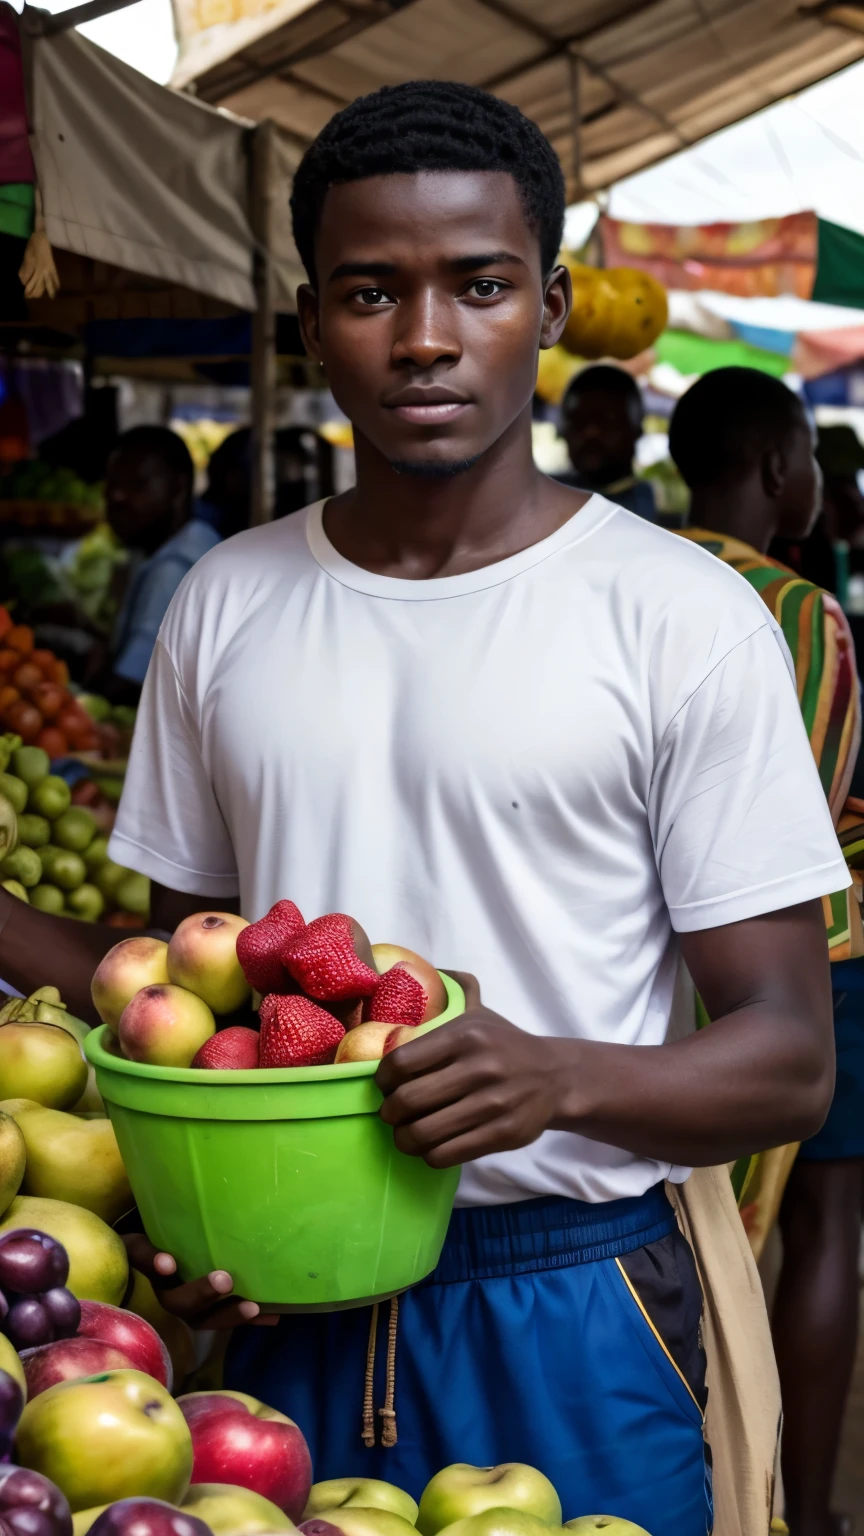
x=643, y=78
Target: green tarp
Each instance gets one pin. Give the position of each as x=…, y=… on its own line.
x=840, y=266
x=700, y=354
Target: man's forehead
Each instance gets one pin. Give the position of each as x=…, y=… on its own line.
x=428, y=205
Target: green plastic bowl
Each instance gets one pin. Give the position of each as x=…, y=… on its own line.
x=286, y=1177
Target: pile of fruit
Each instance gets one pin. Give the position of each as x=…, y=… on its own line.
x=326, y=994
x=35, y=701
x=53, y=853
x=34, y=494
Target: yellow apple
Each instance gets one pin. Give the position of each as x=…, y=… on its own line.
x=365, y=1492
x=462, y=1490
x=232, y=1511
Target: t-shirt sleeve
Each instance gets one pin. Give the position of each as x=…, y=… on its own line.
x=738, y=816
x=169, y=825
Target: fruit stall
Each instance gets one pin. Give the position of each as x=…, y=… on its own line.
x=219, y=1053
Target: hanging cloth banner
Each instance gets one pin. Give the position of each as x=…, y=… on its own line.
x=840, y=271
x=762, y=259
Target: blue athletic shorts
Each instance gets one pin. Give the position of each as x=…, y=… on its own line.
x=553, y=1332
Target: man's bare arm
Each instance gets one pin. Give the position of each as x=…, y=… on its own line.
x=760, y=1075
x=38, y=949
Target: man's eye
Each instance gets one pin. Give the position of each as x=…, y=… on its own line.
x=485, y=287
x=372, y=296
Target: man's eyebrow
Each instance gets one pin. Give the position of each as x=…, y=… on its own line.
x=485, y=259
x=362, y=269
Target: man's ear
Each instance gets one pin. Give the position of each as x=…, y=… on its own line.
x=557, y=304
x=309, y=320
x=773, y=472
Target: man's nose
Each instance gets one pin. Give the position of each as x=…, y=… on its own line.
x=427, y=331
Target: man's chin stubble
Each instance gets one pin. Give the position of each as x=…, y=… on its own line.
x=433, y=469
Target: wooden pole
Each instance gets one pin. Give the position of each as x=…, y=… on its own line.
x=575, y=71
x=262, y=364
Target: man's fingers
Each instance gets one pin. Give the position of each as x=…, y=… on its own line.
x=158, y=1267
x=416, y=1097
x=429, y=1053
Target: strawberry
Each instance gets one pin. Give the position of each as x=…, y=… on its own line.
x=232, y=1050
x=323, y=959
x=297, y=1033
x=398, y=999
x=259, y=947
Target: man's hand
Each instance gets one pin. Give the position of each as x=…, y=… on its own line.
x=204, y=1303
x=475, y=1086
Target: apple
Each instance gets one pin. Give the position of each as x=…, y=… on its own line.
x=112, y=1436
x=129, y=966
x=386, y=956
x=500, y=1522
x=165, y=1026
x=146, y=1517
x=129, y=1334
x=41, y=1062
x=365, y=1492
x=202, y=956
x=230, y=1511
x=240, y=1441
x=69, y=1360
x=369, y=1042
x=353, y=1520
x=613, y=1525
x=461, y=1490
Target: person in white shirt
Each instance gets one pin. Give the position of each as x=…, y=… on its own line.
x=533, y=737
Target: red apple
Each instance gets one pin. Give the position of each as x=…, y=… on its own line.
x=131, y=1335
x=68, y=1359
x=238, y=1440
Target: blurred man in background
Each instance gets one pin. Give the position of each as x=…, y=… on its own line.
x=745, y=447
x=601, y=421
x=148, y=492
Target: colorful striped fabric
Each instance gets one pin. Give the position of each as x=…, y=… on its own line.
x=818, y=636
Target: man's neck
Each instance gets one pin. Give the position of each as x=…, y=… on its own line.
x=738, y=512
x=422, y=526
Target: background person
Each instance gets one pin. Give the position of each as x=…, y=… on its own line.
x=148, y=492
x=744, y=446
x=601, y=420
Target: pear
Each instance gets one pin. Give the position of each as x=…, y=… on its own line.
x=13, y=1155
x=72, y=1159
x=98, y=1267
x=91, y=1104
x=41, y=1062
x=613, y=1525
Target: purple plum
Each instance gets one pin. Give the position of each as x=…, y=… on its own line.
x=147, y=1517
x=11, y=1405
x=31, y=1261
x=30, y=1505
x=64, y=1310
x=29, y=1324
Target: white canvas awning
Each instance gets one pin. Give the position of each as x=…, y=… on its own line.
x=615, y=84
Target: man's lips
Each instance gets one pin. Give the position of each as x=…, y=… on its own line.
x=431, y=414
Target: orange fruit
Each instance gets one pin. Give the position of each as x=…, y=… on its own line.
x=46, y=661
x=20, y=638
x=8, y=696
x=9, y=660
x=52, y=741
x=25, y=720
x=27, y=677
x=49, y=698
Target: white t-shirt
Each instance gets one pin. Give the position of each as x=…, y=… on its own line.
x=539, y=772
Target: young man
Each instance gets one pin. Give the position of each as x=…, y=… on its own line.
x=530, y=736
x=148, y=491
x=601, y=420
x=744, y=446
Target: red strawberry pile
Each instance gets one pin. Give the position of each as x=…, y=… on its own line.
x=321, y=983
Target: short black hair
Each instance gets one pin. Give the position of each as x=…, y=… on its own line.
x=603, y=379
x=163, y=444
x=430, y=125
x=725, y=422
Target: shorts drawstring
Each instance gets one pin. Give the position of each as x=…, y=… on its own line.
x=389, y=1434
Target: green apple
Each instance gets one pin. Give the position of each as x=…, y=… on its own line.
x=15, y=790
x=231, y=1511
x=101, y=1438
x=74, y=830
x=500, y=1522
x=46, y=898
x=456, y=1492
x=51, y=797
x=365, y=1492
x=613, y=1525
x=352, y=1520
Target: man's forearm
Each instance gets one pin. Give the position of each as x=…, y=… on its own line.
x=747, y=1082
x=38, y=949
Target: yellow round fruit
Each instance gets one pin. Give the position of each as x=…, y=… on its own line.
x=617, y=311
x=98, y=1267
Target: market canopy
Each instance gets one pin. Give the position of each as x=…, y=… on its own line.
x=615, y=84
